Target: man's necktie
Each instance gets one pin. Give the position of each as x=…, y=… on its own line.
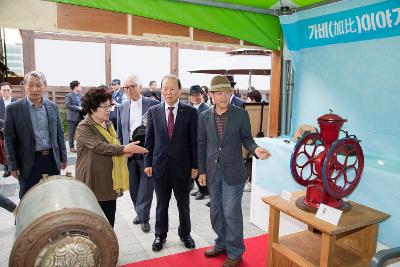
x=170, y=122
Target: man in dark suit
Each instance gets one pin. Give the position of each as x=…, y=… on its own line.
x=153, y=91
x=5, y=99
x=171, y=139
x=234, y=100
x=34, y=136
x=73, y=105
x=118, y=97
x=130, y=116
x=196, y=98
x=223, y=130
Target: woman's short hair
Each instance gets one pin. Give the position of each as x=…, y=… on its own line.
x=94, y=97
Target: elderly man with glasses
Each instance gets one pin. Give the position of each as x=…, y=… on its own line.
x=131, y=120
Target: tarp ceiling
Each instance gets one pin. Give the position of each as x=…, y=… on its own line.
x=260, y=29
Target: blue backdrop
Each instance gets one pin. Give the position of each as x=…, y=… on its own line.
x=360, y=81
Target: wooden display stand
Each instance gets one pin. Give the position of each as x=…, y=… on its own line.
x=351, y=243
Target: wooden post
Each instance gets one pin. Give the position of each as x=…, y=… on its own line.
x=275, y=94
x=273, y=232
x=107, y=50
x=174, y=59
x=327, y=250
x=28, y=46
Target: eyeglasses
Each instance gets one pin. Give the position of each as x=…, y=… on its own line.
x=106, y=108
x=130, y=87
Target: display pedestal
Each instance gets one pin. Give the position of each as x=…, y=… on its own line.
x=351, y=243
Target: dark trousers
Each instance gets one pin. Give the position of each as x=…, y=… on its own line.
x=71, y=133
x=163, y=187
x=109, y=207
x=140, y=188
x=42, y=164
x=202, y=189
x=7, y=203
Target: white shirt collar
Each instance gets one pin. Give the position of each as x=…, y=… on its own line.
x=175, y=105
x=137, y=101
x=198, y=105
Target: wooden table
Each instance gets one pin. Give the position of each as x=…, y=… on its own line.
x=351, y=243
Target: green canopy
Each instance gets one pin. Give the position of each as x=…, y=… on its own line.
x=257, y=28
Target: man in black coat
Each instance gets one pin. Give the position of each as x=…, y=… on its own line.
x=74, y=108
x=171, y=139
x=5, y=100
x=234, y=100
x=196, y=98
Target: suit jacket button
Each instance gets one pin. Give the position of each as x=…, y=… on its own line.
x=216, y=161
x=220, y=149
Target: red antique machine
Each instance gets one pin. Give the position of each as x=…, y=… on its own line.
x=330, y=168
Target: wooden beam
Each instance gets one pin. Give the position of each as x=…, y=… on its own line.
x=125, y=41
x=28, y=50
x=141, y=25
x=174, y=60
x=205, y=36
x=275, y=93
x=80, y=18
x=107, y=50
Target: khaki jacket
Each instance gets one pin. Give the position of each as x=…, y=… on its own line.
x=94, y=162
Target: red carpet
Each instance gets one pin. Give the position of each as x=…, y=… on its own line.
x=254, y=256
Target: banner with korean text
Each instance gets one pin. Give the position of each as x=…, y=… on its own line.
x=380, y=20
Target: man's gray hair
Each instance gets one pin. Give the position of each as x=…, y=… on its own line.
x=133, y=78
x=36, y=74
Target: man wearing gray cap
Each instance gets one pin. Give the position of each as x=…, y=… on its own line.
x=222, y=130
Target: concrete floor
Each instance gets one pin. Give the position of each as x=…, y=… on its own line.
x=134, y=245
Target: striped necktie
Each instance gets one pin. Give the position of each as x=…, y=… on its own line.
x=170, y=122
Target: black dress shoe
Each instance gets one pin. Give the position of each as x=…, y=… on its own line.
x=136, y=220
x=158, y=243
x=146, y=227
x=199, y=196
x=193, y=194
x=188, y=241
x=6, y=174
x=208, y=204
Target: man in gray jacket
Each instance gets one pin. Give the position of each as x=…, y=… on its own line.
x=33, y=134
x=131, y=116
x=222, y=130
